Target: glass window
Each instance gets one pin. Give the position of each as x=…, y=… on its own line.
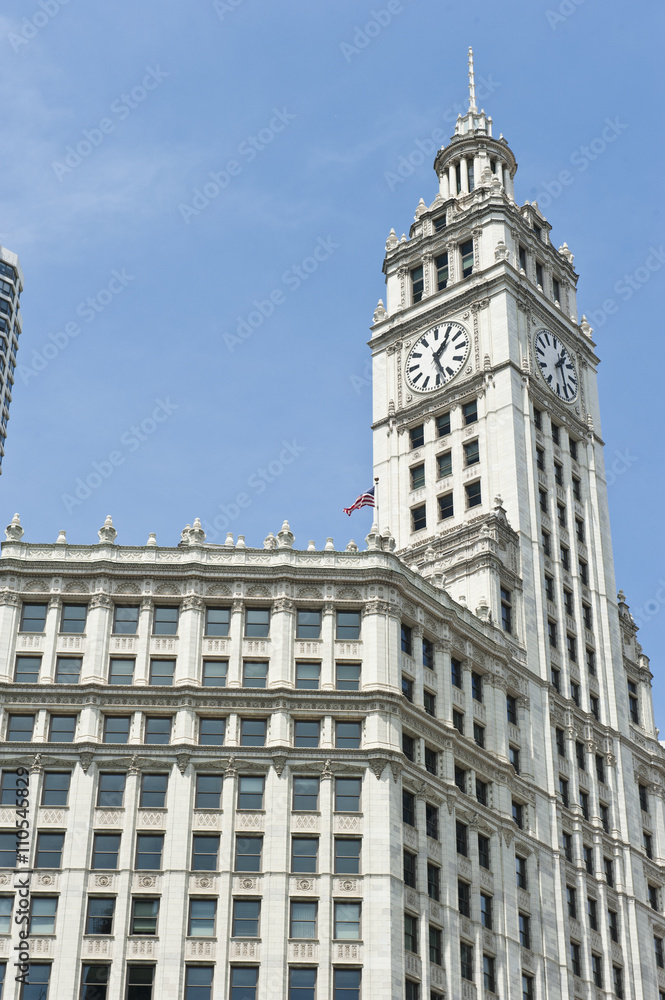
x=489, y=973
x=140, y=980
x=208, y=791
x=346, y=984
x=254, y=674
x=431, y=760
x=470, y=412
x=251, y=789
x=246, y=917
x=27, y=669
x=433, y=882
x=304, y=853
x=305, y=794
x=33, y=618
x=511, y=709
x=443, y=424
x=105, y=850
x=347, y=794
x=302, y=983
x=525, y=930
x=252, y=732
x=456, y=672
x=99, y=918
x=214, y=673
x=464, y=898
x=435, y=945
x=62, y=728
x=417, y=284
x=417, y=476
x=409, y=865
x=347, y=855
x=417, y=436
x=308, y=624
x=479, y=736
x=149, y=848
x=306, y=733
x=198, y=982
x=347, y=921
x=432, y=821
x=55, y=788
x=19, y=728
x=111, y=790
x=486, y=914
x=518, y=814
x=42, y=914
x=473, y=495
x=153, y=790
x=347, y=735
x=347, y=676
x=211, y=731
x=202, y=914
x=458, y=721
x=162, y=671
x=73, y=617
x=484, y=851
x=462, y=838
x=466, y=252
x=419, y=518
x=466, y=961
x=348, y=625
x=165, y=621
x=303, y=919
x=257, y=623
x=409, y=808
x=482, y=791
x=442, y=273
x=446, y=506
x=36, y=984
x=471, y=453
x=244, y=981
x=217, y=621
x=248, y=854
x=67, y=669
x=6, y=904
x=126, y=619
x=121, y=671
x=157, y=730
x=406, y=639
x=308, y=676
x=429, y=702
x=407, y=691
x=205, y=848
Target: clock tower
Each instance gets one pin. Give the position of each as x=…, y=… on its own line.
x=486, y=426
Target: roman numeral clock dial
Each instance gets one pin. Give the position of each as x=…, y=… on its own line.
x=437, y=356
x=556, y=366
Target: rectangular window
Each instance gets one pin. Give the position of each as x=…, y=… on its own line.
x=520, y=868
x=473, y=494
x=518, y=814
x=304, y=854
x=470, y=412
x=68, y=669
x=613, y=924
x=303, y=916
x=522, y=258
x=153, y=791
x=121, y=671
x=482, y=791
x=464, y=898
x=126, y=619
x=428, y=653
x=439, y=223
x=458, y=721
x=479, y=734
x=208, y=791
x=604, y=818
x=456, y=672
x=565, y=556
x=528, y=992
x=49, y=850
x=19, y=728
x=6, y=904
x=432, y=821
x=111, y=790
x=419, y=517
x=484, y=851
x=442, y=272
x=537, y=419
x=105, y=848
x=347, y=735
x=435, y=948
x=406, y=639
x=489, y=973
x=244, y=980
x=597, y=970
x=594, y=706
x=511, y=709
x=347, y=794
x=348, y=626
x=476, y=686
x=584, y=572
x=308, y=624
x=658, y=948
x=560, y=742
x=462, y=839
x=411, y=933
x=27, y=669
x=73, y=617
x=561, y=514
x=547, y=547
x=579, y=530
x=157, y=730
x=205, y=848
x=486, y=915
x=409, y=865
x=525, y=930
x=305, y=794
x=308, y=676
x=165, y=621
x=443, y=424
x=33, y=618
x=407, y=688
x=306, y=733
x=431, y=760
x=417, y=473
x=433, y=882
x=549, y=588
x=471, y=453
x=556, y=437
x=251, y=789
x=577, y=489
x=55, y=788
x=99, y=917
x=8, y=850
x=575, y=962
x=571, y=646
x=408, y=808
x=257, y=623
x=563, y=792
x=592, y=913
x=556, y=290
x=149, y=847
x=647, y=840
x=417, y=436
x=608, y=866
x=580, y=755
x=42, y=914
x=633, y=706
x=506, y=609
x=417, y=284
x=460, y=778
x=568, y=601
x=140, y=981
x=466, y=252
x=62, y=728
x=347, y=921
x=466, y=961
x=575, y=692
x=542, y=500
x=540, y=459
x=214, y=673
x=246, y=917
x=162, y=671
x=446, y=506
x=198, y=982
x=218, y=622
x=552, y=637
x=347, y=856
x=429, y=702
x=36, y=984
x=514, y=757
x=252, y=732
x=254, y=674
x=587, y=857
x=644, y=798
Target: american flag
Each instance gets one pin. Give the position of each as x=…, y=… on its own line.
x=364, y=500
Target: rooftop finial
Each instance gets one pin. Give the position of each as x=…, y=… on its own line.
x=472, y=83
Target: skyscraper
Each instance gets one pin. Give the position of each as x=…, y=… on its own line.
x=11, y=286
x=424, y=770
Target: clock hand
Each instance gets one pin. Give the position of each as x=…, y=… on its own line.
x=443, y=345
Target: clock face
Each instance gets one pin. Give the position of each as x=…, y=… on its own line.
x=556, y=366
x=437, y=356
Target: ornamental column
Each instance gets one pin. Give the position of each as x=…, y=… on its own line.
x=190, y=629
x=98, y=634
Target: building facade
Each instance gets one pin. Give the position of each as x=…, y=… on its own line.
x=424, y=770
x=11, y=286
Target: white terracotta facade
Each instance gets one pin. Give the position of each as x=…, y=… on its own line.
x=11, y=286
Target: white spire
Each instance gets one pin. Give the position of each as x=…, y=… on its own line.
x=472, y=83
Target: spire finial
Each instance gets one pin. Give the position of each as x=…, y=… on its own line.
x=472, y=83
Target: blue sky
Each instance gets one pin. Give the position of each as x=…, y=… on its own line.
x=304, y=121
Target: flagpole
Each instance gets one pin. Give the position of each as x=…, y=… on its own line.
x=375, y=523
